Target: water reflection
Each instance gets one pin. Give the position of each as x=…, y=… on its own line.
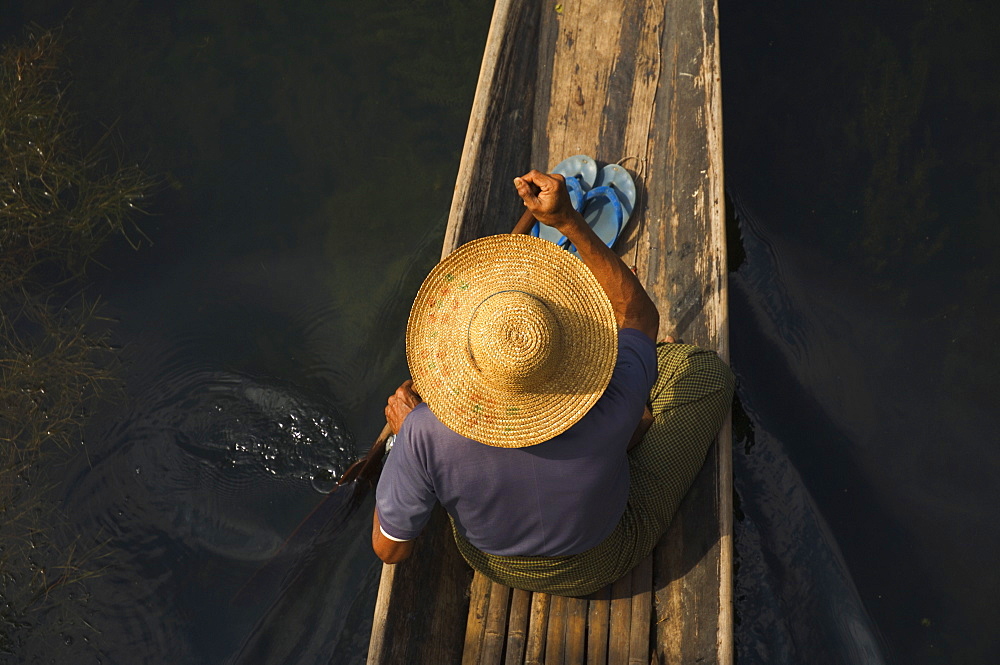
x=838, y=407
x=865, y=136
x=795, y=595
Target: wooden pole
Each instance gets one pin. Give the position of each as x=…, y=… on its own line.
x=555, y=641
x=642, y=599
x=496, y=625
x=537, y=628
x=598, y=615
x=479, y=599
x=517, y=627
x=576, y=630
x=621, y=617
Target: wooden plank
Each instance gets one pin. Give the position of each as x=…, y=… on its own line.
x=642, y=600
x=660, y=114
x=517, y=627
x=598, y=616
x=498, y=140
x=555, y=639
x=411, y=609
x=576, y=630
x=619, y=627
x=475, y=628
x=538, y=627
x=659, y=110
x=496, y=625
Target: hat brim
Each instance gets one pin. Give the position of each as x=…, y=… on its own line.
x=437, y=349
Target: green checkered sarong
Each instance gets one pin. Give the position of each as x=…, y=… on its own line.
x=689, y=400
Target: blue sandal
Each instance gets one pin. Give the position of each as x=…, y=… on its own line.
x=608, y=206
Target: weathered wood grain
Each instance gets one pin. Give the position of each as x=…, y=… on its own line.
x=640, y=628
x=598, y=616
x=620, y=627
x=495, y=636
x=517, y=629
x=475, y=627
x=408, y=610
x=576, y=630
x=555, y=641
x=538, y=628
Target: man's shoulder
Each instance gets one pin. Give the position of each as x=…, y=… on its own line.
x=421, y=419
x=637, y=350
x=423, y=430
x=636, y=340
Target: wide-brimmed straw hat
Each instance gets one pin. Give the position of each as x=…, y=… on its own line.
x=511, y=340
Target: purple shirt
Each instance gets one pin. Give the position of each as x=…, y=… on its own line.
x=555, y=498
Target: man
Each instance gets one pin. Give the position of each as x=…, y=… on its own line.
x=537, y=370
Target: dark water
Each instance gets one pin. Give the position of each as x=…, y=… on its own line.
x=308, y=152
x=862, y=154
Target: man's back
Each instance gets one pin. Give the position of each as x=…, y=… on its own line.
x=555, y=498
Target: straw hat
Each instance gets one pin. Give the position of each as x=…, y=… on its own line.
x=511, y=340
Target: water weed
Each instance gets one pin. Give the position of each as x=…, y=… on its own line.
x=59, y=203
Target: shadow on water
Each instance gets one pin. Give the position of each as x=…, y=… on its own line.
x=795, y=597
x=834, y=482
x=306, y=622
x=864, y=137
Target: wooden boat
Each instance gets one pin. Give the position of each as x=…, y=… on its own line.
x=635, y=82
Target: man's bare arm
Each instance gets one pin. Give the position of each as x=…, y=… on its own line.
x=548, y=200
x=387, y=549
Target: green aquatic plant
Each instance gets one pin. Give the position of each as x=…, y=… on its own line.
x=59, y=204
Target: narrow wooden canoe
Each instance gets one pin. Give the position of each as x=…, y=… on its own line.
x=635, y=82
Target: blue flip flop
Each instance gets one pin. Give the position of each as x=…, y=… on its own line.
x=617, y=178
x=608, y=206
x=582, y=169
x=580, y=172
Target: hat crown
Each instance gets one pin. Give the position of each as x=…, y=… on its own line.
x=514, y=340
x=511, y=340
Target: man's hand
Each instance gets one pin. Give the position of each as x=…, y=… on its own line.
x=546, y=196
x=400, y=404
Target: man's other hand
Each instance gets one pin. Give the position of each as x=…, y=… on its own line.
x=400, y=404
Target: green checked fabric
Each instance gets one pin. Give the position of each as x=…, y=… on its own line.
x=689, y=400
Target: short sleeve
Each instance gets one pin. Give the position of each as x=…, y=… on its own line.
x=405, y=496
x=635, y=369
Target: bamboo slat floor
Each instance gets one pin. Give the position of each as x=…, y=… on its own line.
x=611, y=626
x=634, y=82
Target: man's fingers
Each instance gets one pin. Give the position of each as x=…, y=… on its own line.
x=543, y=193
x=405, y=394
x=536, y=182
x=526, y=192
